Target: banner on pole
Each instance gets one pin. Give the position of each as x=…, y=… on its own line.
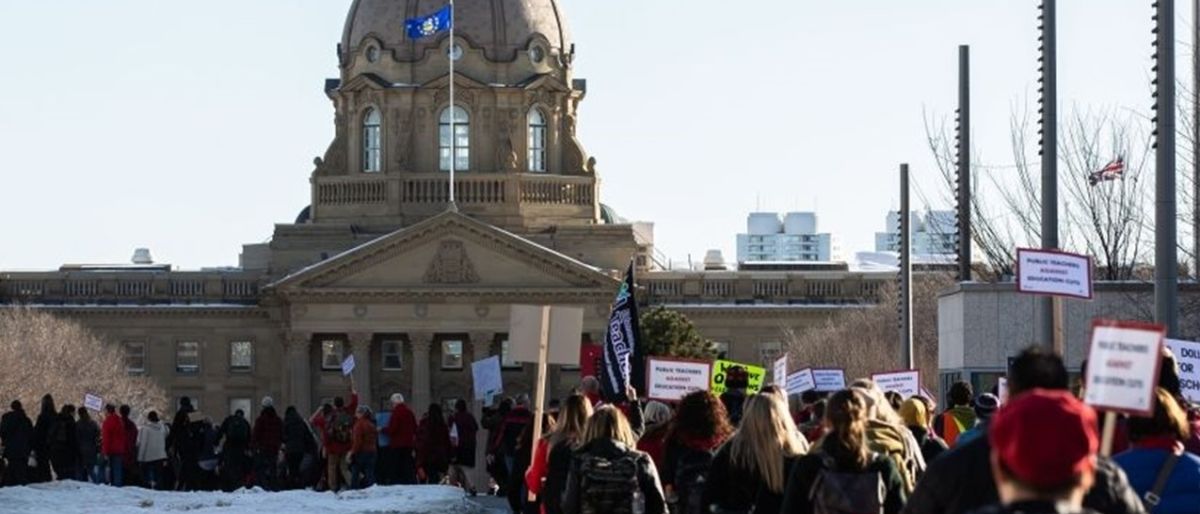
x=1054, y=273
x=801, y=381
x=1123, y=366
x=672, y=379
x=486, y=376
x=754, y=374
x=829, y=379
x=1187, y=356
x=93, y=402
x=907, y=382
x=622, y=351
x=348, y=365
x=780, y=371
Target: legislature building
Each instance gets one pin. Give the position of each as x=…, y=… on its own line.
x=381, y=266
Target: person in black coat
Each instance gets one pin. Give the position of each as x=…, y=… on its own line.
x=609, y=437
x=16, y=434
x=298, y=442
x=63, y=448
x=750, y=471
x=41, y=440
x=87, y=445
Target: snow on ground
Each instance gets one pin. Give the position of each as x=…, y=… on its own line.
x=69, y=497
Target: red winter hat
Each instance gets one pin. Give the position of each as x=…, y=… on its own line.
x=1044, y=437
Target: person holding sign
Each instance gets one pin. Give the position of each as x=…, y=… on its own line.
x=1166, y=476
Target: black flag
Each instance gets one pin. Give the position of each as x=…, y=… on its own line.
x=623, y=354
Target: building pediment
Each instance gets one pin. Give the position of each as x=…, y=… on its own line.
x=546, y=82
x=460, y=80
x=366, y=81
x=448, y=255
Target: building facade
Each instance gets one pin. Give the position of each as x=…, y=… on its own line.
x=933, y=233
x=790, y=238
x=380, y=265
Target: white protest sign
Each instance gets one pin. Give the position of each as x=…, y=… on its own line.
x=801, y=381
x=486, y=377
x=1054, y=273
x=1187, y=356
x=672, y=379
x=1123, y=366
x=1002, y=389
x=780, y=371
x=566, y=334
x=348, y=365
x=906, y=383
x=93, y=402
x=829, y=379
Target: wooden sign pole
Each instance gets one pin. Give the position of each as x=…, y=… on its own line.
x=540, y=390
x=1060, y=336
x=1106, y=437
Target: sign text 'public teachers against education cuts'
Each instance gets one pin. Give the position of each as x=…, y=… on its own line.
x=1054, y=273
x=671, y=380
x=1123, y=364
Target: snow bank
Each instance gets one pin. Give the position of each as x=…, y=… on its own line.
x=70, y=497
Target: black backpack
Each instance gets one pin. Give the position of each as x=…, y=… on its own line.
x=342, y=427
x=608, y=485
x=239, y=432
x=835, y=492
x=691, y=472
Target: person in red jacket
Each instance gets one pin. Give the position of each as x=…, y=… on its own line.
x=339, y=428
x=433, y=446
x=402, y=440
x=112, y=444
x=363, y=450
x=266, y=439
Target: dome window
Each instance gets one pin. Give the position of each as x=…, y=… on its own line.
x=462, y=139
x=372, y=53
x=372, y=150
x=537, y=140
x=536, y=54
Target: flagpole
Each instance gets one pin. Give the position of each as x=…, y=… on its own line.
x=453, y=112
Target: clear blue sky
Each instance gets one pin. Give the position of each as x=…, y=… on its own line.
x=190, y=127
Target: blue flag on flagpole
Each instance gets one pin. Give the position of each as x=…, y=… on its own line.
x=425, y=26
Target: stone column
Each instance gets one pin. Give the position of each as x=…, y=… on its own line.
x=421, y=344
x=298, y=370
x=360, y=347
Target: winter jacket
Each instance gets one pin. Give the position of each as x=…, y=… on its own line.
x=464, y=448
x=1031, y=507
x=63, y=447
x=336, y=447
x=953, y=422
x=41, y=434
x=112, y=436
x=363, y=439
x=647, y=477
x=16, y=433
x=538, y=467
x=961, y=480
x=152, y=442
x=267, y=436
x=1142, y=464
x=808, y=467
x=547, y=474
x=131, y=441
x=681, y=448
x=87, y=440
x=433, y=445
x=735, y=489
x=734, y=400
x=402, y=427
x=297, y=437
x=654, y=442
x=897, y=443
x=931, y=445
x=509, y=431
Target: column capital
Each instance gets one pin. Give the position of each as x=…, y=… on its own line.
x=420, y=341
x=295, y=342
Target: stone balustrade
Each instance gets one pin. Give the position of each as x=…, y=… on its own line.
x=129, y=287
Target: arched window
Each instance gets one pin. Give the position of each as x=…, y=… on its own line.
x=537, y=140
x=462, y=130
x=371, y=147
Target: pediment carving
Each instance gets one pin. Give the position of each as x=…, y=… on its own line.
x=451, y=265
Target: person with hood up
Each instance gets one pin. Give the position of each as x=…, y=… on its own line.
x=87, y=441
x=266, y=441
x=298, y=444
x=748, y=473
x=700, y=427
x=916, y=418
x=607, y=444
x=112, y=445
x=654, y=440
x=958, y=417
x=1043, y=454
x=152, y=450
x=363, y=449
x=1165, y=475
x=463, y=429
x=985, y=405
x=16, y=435
x=433, y=445
x=41, y=440
x=402, y=441
x=887, y=435
x=64, y=451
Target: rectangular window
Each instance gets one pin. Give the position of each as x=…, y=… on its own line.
x=187, y=357
x=245, y=404
x=506, y=358
x=331, y=354
x=452, y=354
x=241, y=356
x=392, y=360
x=135, y=357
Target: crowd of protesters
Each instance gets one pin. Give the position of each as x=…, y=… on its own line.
x=854, y=450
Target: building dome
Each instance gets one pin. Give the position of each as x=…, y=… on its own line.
x=502, y=28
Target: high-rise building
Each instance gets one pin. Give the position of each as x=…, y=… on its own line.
x=794, y=237
x=933, y=233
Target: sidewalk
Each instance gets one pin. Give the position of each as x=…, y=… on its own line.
x=492, y=504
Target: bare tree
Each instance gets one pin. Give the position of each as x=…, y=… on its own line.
x=44, y=354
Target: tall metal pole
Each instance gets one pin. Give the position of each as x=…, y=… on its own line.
x=964, y=163
x=1196, y=140
x=453, y=107
x=1048, y=146
x=1166, y=274
x=906, y=328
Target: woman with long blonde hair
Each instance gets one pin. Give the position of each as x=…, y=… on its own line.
x=749, y=472
x=547, y=473
x=607, y=474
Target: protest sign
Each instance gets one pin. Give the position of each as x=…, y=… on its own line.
x=348, y=365
x=524, y=332
x=486, y=377
x=780, y=371
x=1054, y=273
x=755, y=374
x=829, y=379
x=672, y=379
x=1187, y=356
x=93, y=402
x=801, y=381
x=906, y=383
x=1002, y=389
x=1123, y=365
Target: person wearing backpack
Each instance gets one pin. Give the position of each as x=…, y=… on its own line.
x=748, y=472
x=701, y=425
x=607, y=475
x=1166, y=476
x=236, y=433
x=842, y=475
x=887, y=435
x=339, y=435
x=546, y=477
